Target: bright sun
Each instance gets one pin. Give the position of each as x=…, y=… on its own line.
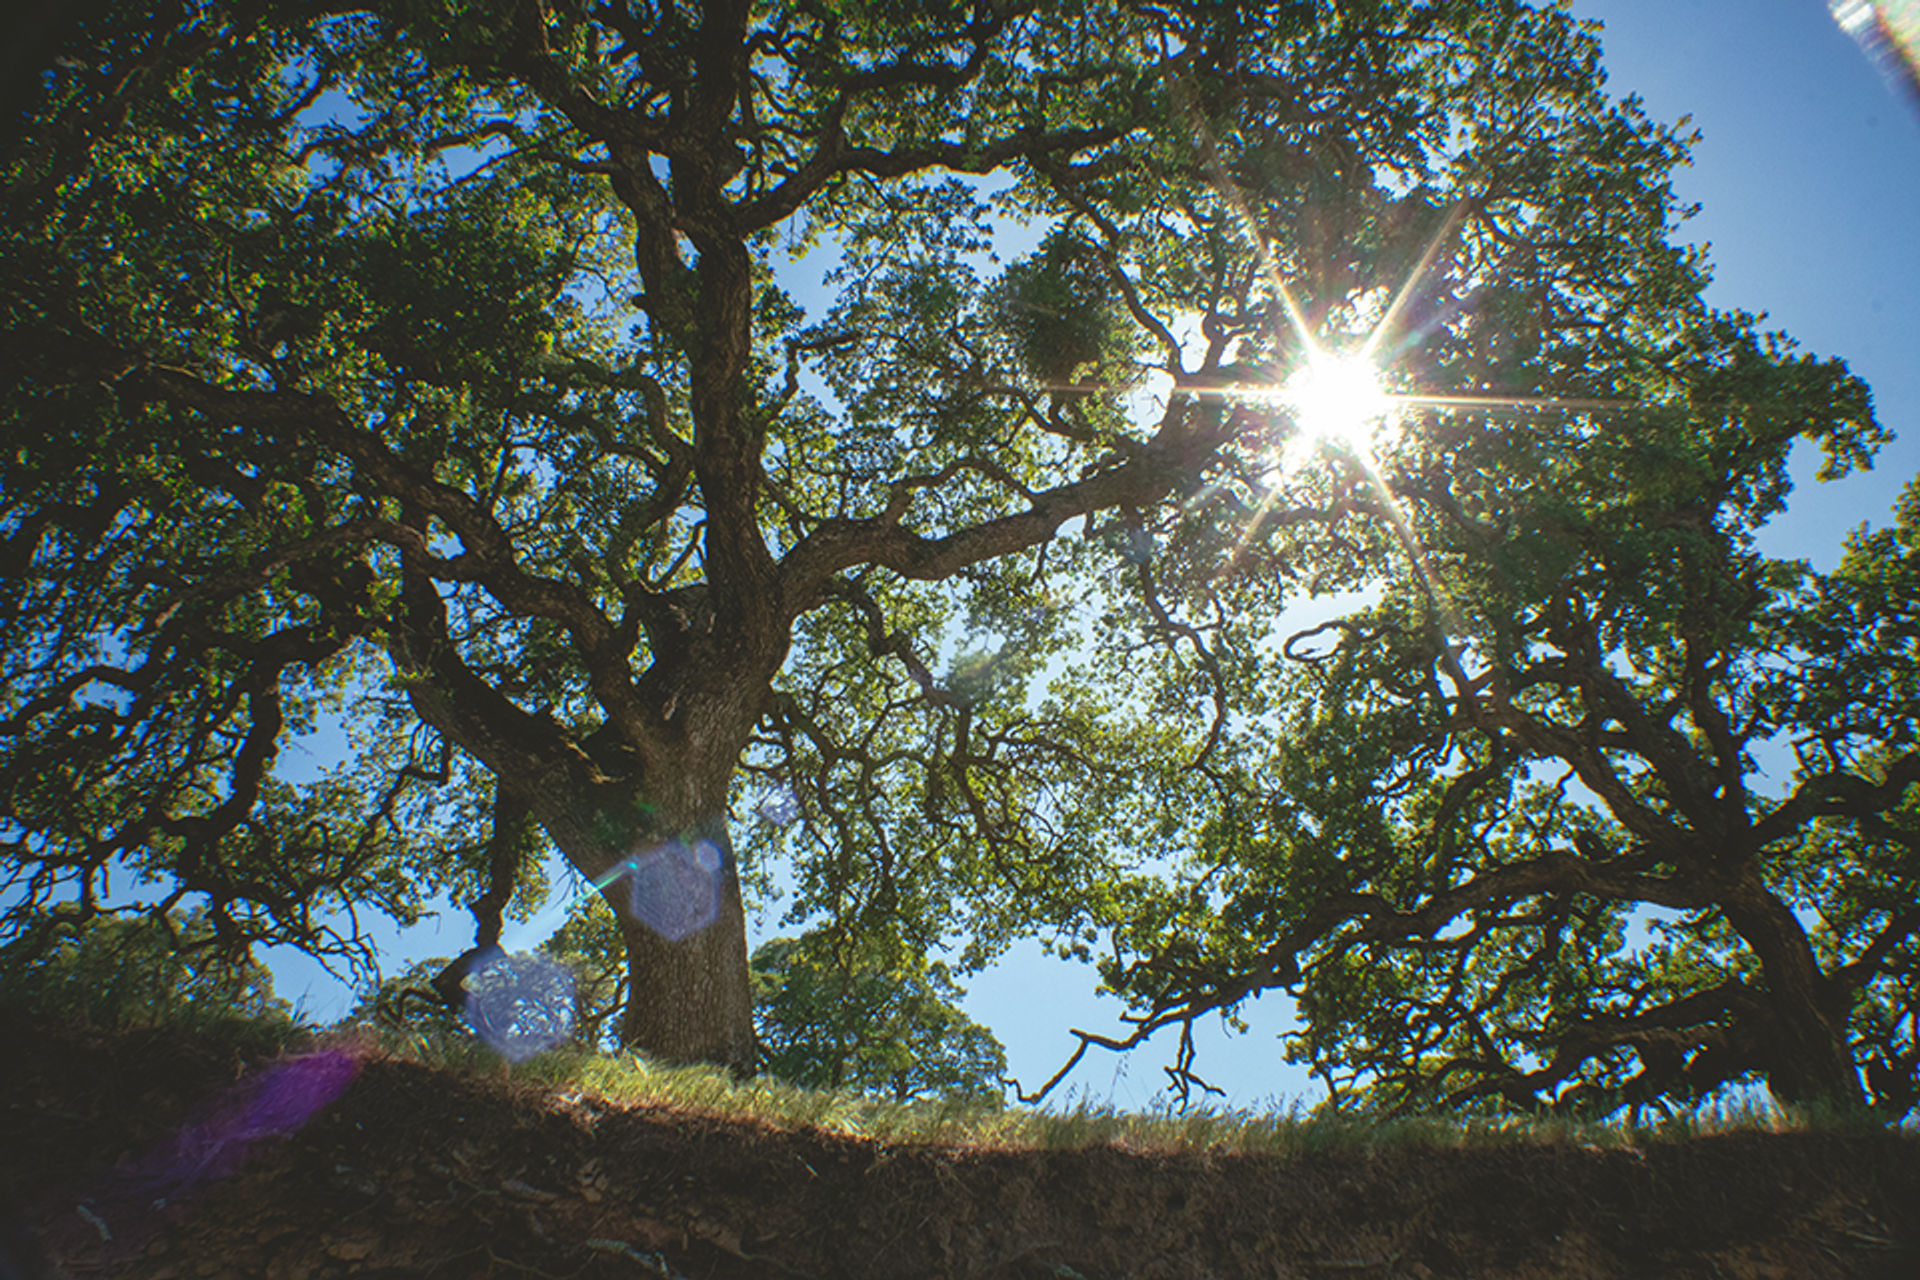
x=1338, y=398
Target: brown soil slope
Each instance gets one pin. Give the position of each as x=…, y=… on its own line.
x=410, y=1172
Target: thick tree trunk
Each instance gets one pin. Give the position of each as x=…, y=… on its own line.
x=689, y=998
x=674, y=890
x=640, y=811
x=1809, y=1064
x=1807, y=1058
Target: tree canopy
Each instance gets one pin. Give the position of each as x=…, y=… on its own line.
x=450, y=370
x=1592, y=700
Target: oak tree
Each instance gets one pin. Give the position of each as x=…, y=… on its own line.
x=448, y=368
x=1594, y=806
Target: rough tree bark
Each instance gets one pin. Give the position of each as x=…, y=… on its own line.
x=1804, y=1042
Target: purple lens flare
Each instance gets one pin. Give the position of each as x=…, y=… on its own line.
x=673, y=888
x=122, y=1215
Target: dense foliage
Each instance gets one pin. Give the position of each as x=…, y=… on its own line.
x=1599, y=809
x=459, y=372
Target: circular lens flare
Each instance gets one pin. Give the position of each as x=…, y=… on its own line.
x=1338, y=398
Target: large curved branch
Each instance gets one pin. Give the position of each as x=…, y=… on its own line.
x=531, y=755
x=1149, y=474
x=833, y=156
x=1659, y=1036
x=1840, y=795
x=1558, y=872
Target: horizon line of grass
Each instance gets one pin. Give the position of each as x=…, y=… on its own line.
x=625, y=1078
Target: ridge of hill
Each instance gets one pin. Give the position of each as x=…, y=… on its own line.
x=163, y=1156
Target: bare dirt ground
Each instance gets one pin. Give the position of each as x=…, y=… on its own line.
x=128, y=1155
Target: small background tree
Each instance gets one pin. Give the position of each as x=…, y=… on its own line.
x=835, y=1012
x=145, y=971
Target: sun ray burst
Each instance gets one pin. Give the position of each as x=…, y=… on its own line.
x=1340, y=398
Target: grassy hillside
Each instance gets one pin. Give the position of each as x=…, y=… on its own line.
x=169, y=1154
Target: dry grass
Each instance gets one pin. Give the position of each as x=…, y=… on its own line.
x=625, y=1079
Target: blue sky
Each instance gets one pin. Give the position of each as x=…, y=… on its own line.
x=1808, y=175
x=1808, y=178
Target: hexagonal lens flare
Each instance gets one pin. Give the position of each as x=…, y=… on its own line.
x=520, y=1004
x=673, y=888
